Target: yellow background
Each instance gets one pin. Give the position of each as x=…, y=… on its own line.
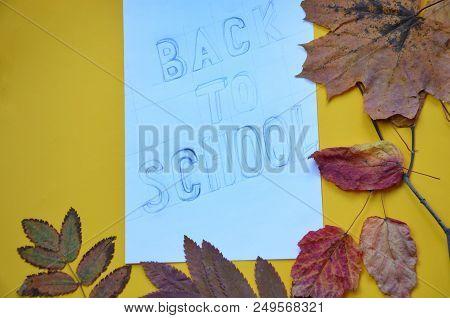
x=62, y=144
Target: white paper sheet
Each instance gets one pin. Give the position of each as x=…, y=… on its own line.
x=218, y=129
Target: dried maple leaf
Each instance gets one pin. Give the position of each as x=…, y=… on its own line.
x=41, y=233
x=329, y=263
x=268, y=281
x=112, y=285
x=70, y=236
x=96, y=261
x=168, y=278
x=48, y=285
x=396, y=50
x=364, y=167
x=390, y=255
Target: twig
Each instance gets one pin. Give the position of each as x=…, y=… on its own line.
x=78, y=280
x=423, y=174
x=428, y=6
x=446, y=112
x=374, y=122
x=362, y=209
x=400, y=136
x=413, y=150
x=382, y=204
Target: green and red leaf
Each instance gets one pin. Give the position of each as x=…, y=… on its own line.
x=48, y=285
x=41, y=257
x=41, y=233
x=70, y=236
x=96, y=261
x=112, y=285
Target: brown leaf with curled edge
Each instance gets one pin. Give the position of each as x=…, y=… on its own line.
x=395, y=49
x=42, y=258
x=96, y=261
x=390, y=255
x=329, y=264
x=168, y=278
x=364, y=167
x=112, y=285
x=70, y=236
x=403, y=122
x=48, y=285
x=202, y=273
x=171, y=294
x=233, y=283
x=41, y=233
x=268, y=281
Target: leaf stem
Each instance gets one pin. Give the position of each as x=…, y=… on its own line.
x=428, y=6
x=77, y=279
x=374, y=122
x=359, y=213
x=413, y=150
x=446, y=112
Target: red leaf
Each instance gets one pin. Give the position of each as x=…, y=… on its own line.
x=329, y=264
x=112, y=285
x=364, y=167
x=167, y=277
x=390, y=255
x=171, y=294
x=269, y=282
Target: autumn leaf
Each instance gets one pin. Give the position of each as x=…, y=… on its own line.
x=268, y=281
x=112, y=285
x=393, y=48
x=231, y=280
x=96, y=261
x=171, y=294
x=213, y=275
x=48, y=285
x=390, y=255
x=41, y=233
x=364, y=167
x=42, y=258
x=168, y=278
x=329, y=264
x=202, y=274
x=70, y=236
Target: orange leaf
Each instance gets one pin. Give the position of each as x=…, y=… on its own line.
x=329, y=264
x=396, y=50
x=367, y=167
x=390, y=255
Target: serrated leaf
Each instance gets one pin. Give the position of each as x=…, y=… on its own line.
x=112, y=285
x=171, y=294
x=390, y=255
x=268, y=281
x=70, y=236
x=233, y=283
x=167, y=277
x=96, y=261
x=198, y=270
x=328, y=265
x=42, y=258
x=41, y=233
x=48, y=285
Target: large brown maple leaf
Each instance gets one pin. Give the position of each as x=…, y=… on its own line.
x=395, y=49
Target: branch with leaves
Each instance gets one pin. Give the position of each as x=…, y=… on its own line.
x=52, y=251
